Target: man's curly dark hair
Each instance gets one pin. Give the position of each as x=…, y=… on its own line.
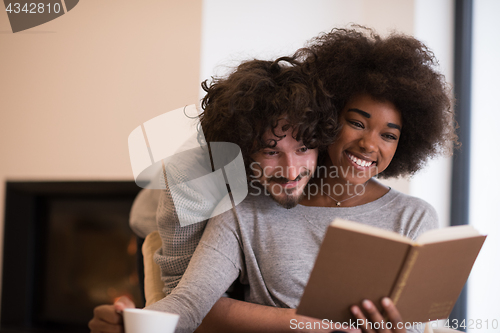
x=241, y=107
x=399, y=69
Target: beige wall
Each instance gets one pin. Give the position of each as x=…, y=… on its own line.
x=72, y=90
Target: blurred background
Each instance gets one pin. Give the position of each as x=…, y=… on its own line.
x=72, y=90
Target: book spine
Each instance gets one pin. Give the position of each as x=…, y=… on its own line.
x=405, y=273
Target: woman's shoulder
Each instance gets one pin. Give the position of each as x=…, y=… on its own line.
x=410, y=201
x=417, y=215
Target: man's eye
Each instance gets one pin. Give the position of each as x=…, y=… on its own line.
x=270, y=153
x=303, y=149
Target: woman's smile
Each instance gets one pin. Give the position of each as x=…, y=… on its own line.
x=359, y=162
x=367, y=141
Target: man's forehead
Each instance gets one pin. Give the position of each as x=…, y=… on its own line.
x=286, y=140
x=282, y=128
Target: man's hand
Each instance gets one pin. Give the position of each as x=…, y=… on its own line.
x=108, y=318
x=394, y=325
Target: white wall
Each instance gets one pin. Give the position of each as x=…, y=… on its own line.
x=434, y=26
x=484, y=287
x=235, y=30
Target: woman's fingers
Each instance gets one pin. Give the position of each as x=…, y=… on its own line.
x=356, y=311
x=374, y=322
x=393, y=315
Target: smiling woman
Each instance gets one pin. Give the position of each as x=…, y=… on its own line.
x=396, y=110
x=398, y=69
x=395, y=114
x=369, y=137
x=365, y=147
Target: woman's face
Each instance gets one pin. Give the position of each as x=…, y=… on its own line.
x=368, y=139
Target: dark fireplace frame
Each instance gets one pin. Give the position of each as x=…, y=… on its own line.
x=25, y=215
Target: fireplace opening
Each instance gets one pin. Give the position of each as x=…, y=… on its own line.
x=67, y=248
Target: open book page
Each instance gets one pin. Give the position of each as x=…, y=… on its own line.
x=447, y=234
x=431, y=236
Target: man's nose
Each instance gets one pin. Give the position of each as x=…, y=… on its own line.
x=290, y=167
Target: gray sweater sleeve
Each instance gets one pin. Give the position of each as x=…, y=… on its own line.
x=178, y=243
x=181, y=202
x=214, y=266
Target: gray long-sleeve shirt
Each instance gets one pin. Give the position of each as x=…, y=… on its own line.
x=273, y=249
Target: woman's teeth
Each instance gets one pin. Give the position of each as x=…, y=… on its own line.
x=360, y=162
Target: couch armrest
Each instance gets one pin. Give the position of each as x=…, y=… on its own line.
x=153, y=285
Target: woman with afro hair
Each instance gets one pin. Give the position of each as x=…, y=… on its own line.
x=394, y=111
x=398, y=69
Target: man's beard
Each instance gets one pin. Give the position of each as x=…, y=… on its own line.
x=289, y=200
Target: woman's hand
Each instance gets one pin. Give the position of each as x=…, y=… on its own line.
x=375, y=323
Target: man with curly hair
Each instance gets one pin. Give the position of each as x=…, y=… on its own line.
x=395, y=115
x=278, y=117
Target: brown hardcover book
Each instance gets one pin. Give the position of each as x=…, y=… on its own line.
x=424, y=277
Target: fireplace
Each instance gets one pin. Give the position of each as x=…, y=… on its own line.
x=67, y=248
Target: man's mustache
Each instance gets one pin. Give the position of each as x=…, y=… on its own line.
x=284, y=180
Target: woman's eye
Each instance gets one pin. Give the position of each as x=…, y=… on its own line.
x=356, y=124
x=390, y=136
x=303, y=149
